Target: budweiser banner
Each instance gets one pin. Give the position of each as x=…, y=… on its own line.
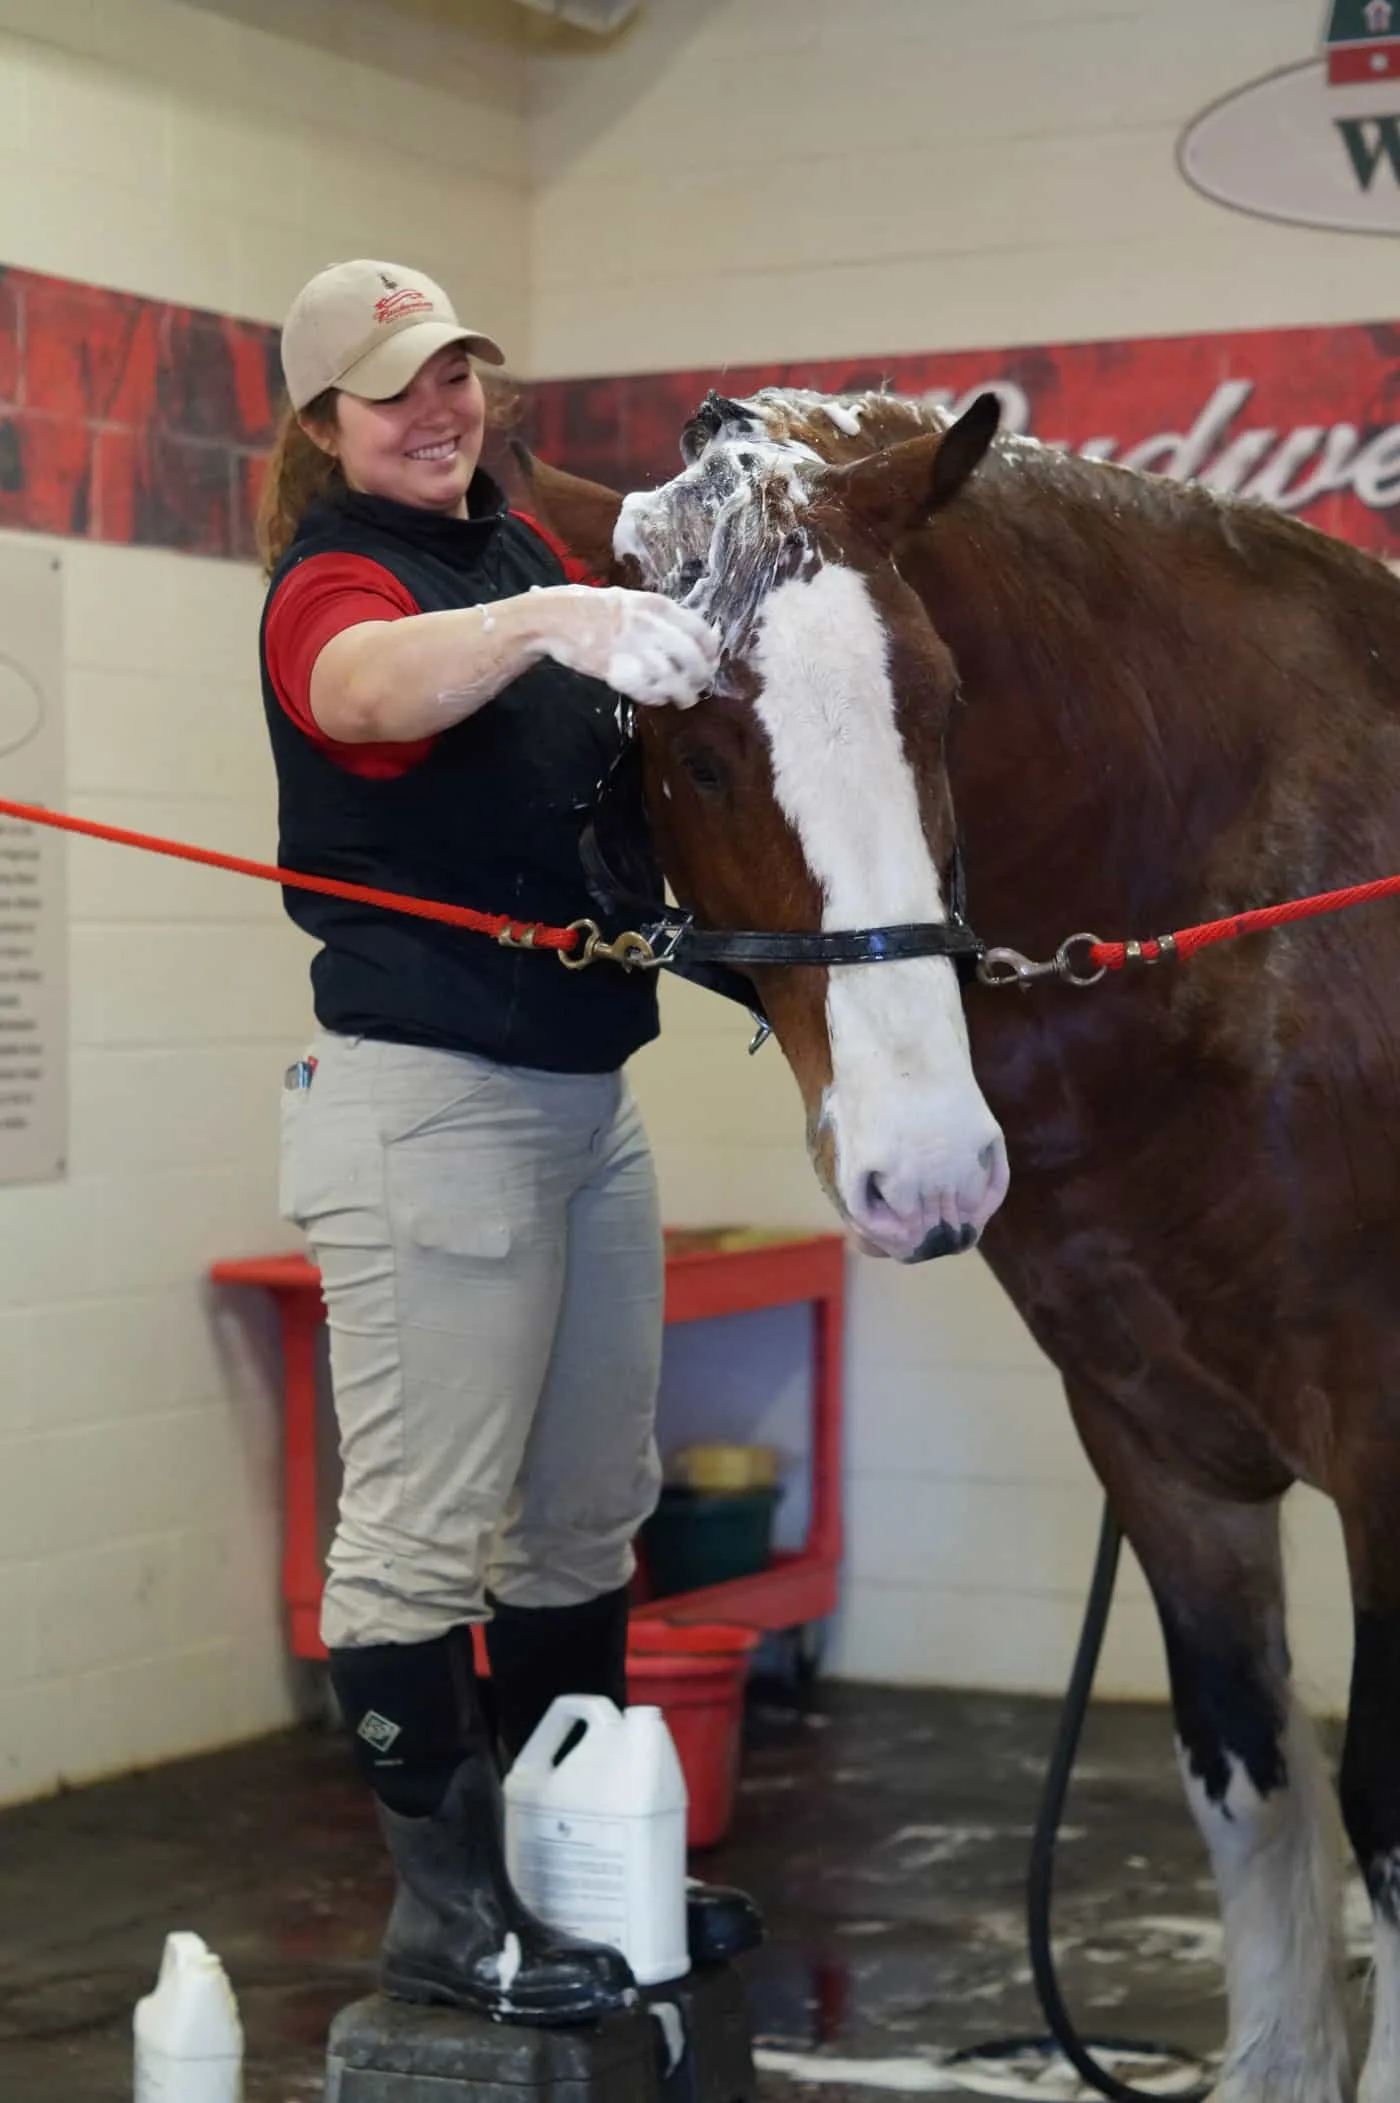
x=1305, y=419
x=126, y=419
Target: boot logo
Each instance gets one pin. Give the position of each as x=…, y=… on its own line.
x=377, y=1731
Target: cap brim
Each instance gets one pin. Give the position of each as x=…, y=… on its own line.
x=389, y=367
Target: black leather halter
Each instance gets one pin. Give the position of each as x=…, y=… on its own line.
x=624, y=877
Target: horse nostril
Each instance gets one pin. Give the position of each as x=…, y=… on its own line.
x=875, y=1201
x=987, y=1157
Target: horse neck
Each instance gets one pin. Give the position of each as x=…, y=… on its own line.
x=1115, y=724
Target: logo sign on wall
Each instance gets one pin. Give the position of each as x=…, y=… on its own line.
x=1317, y=144
x=1305, y=419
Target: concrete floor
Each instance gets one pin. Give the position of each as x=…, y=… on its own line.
x=884, y=1833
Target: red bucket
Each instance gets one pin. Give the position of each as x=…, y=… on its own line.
x=695, y=1675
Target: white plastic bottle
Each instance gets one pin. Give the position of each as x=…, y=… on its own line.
x=595, y=1841
x=189, y=2040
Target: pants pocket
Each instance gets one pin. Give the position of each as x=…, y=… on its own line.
x=438, y=1116
x=328, y=1154
x=443, y=1199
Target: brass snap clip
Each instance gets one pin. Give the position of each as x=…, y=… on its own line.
x=632, y=951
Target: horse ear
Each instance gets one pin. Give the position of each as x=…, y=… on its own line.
x=580, y=513
x=963, y=447
x=896, y=489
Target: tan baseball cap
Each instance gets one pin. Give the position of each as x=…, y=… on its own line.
x=368, y=327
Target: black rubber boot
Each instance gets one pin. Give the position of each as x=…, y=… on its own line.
x=458, y=1931
x=537, y=1653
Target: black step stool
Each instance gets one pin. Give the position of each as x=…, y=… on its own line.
x=686, y=2042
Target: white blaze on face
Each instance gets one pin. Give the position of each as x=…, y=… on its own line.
x=916, y=1148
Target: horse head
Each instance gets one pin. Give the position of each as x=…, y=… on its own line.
x=808, y=790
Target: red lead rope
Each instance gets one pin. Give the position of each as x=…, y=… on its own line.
x=1112, y=956
x=532, y=934
x=521, y=934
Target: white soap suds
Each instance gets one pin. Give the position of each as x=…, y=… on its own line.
x=844, y=417
x=505, y=1965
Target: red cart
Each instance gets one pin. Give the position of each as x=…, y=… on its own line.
x=709, y=1272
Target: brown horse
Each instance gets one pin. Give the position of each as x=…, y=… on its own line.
x=1146, y=706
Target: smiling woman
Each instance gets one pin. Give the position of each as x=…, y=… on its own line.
x=459, y=1143
x=419, y=445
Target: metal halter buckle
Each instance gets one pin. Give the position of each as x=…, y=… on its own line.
x=762, y=1031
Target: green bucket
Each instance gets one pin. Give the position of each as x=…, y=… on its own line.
x=696, y=1538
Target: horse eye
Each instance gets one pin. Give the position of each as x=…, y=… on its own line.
x=703, y=771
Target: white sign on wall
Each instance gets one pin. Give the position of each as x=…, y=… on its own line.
x=33, y=905
x=1317, y=144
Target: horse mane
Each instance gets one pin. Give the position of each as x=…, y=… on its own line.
x=845, y=427
x=1113, y=541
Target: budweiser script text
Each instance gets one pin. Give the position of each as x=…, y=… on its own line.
x=1287, y=468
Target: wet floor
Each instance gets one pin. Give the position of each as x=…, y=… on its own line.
x=884, y=1833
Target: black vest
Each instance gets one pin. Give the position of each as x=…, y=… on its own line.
x=490, y=819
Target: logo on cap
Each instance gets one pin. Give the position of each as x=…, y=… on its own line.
x=407, y=300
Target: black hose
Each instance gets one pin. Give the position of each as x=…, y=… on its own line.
x=1047, y=1832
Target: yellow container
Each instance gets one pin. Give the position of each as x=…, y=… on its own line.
x=717, y=1467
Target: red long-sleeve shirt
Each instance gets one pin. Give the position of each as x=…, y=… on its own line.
x=319, y=599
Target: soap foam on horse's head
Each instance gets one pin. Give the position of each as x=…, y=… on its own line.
x=729, y=527
x=736, y=521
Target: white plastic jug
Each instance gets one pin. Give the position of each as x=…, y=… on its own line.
x=595, y=1841
x=189, y=2040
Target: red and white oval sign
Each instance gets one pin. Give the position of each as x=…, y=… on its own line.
x=1317, y=144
